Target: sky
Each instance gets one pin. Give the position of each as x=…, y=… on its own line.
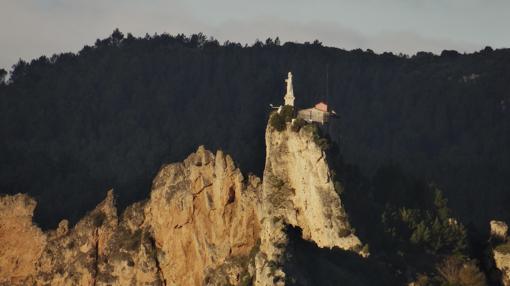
x=31, y=28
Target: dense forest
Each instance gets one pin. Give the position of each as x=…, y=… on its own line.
x=75, y=125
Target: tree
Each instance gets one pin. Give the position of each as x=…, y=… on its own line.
x=116, y=38
x=19, y=70
x=277, y=121
x=456, y=270
x=317, y=43
x=440, y=202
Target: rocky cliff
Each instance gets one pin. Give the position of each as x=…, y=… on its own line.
x=21, y=242
x=205, y=223
x=499, y=252
x=298, y=190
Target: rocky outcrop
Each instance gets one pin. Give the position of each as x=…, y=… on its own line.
x=98, y=250
x=298, y=190
x=199, y=226
x=21, y=242
x=502, y=261
x=203, y=216
x=500, y=251
x=72, y=257
x=203, y=224
x=499, y=230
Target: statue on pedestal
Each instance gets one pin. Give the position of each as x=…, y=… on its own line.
x=289, y=96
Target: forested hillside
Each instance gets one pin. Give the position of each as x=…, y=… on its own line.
x=75, y=125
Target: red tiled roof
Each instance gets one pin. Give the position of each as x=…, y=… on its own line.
x=322, y=106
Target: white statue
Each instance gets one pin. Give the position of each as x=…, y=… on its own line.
x=289, y=96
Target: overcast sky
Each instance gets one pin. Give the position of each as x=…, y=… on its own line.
x=29, y=29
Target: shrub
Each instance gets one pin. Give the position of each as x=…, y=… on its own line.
x=455, y=270
x=323, y=143
x=298, y=123
x=273, y=266
x=277, y=121
x=422, y=280
x=287, y=113
x=319, y=140
x=311, y=128
x=344, y=232
x=504, y=248
x=421, y=234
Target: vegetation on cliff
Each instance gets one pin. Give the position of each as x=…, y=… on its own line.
x=279, y=119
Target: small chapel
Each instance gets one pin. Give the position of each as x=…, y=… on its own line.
x=319, y=113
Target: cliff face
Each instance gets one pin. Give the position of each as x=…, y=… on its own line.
x=502, y=260
x=200, y=224
x=298, y=190
x=21, y=243
x=204, y=219
x=204, y=224
x=500, y=251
